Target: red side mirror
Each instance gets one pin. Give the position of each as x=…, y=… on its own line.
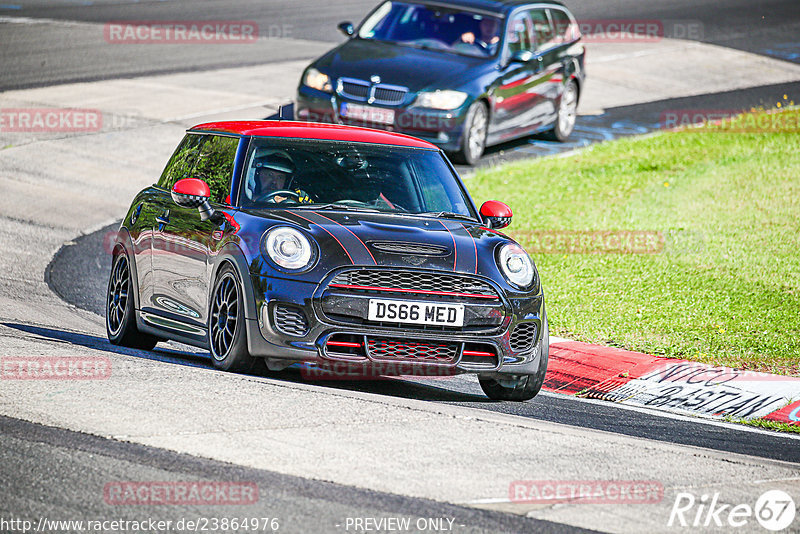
x=190, y=192
x=193, y=193
x=496, y=214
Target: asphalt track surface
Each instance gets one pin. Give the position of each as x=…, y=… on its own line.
x=79, y=271
x=31, y=57
x=299, y=505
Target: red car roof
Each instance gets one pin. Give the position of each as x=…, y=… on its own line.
x=313, y=130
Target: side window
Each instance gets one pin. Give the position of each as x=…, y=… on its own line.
x=518, y=34
x=542, y=31
x=215, y=165
x=562, y=25
x=181, y=163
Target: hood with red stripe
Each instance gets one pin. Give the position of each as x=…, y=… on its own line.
x=346, y=238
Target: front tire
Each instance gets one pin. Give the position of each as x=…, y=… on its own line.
x=520, y=387
x=120, y=314
x=227, y=336
x=473, y=141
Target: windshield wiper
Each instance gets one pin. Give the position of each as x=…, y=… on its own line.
x=449, y=214
x=334, y=206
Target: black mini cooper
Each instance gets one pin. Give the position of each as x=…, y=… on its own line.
x=276, y=243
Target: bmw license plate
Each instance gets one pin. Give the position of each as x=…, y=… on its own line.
x=398, y=311
x=366, y=113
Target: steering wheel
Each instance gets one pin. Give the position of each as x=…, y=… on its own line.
x=282, y=193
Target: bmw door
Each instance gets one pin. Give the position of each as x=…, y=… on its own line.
x=523, y=94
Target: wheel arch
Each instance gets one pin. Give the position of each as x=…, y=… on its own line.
x=575, y=77
x=231, y=254
x=125, y=242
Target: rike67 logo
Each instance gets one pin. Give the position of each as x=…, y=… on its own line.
x=775, y=510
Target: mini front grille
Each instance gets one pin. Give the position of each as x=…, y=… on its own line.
x=399, y=349
x=414, y=282
x=290, y=321
x=523, y=337
x=416, y=249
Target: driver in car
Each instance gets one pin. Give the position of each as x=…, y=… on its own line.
x=274, y=174
x=489, y=35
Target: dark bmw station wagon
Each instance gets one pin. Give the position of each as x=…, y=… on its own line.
x=461, y=74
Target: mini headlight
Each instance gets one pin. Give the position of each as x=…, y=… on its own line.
x=288, y=247
x=516, y=265
x=317, y=80
x=441, y=99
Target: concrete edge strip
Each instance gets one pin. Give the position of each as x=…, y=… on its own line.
x=672, y=385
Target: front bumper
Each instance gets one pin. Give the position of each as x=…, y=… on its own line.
x=443, y=128
x=292, y=325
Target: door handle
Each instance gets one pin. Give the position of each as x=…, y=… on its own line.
x=135, y=213
x=162, y=220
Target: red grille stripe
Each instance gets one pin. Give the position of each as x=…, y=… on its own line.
x=420, y=291
x=350, y=344
x=478, y=353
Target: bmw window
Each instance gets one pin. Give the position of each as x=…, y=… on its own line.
x=434, y=28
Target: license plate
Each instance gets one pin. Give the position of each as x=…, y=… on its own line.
x=397, y=311
x=367, y=113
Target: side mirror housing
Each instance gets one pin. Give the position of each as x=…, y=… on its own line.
x=496, y=214
x=526, y=56
x=521, y=56
x=193, y=193
x=347, y=28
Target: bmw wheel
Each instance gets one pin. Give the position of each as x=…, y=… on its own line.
x=473, y=141
x=567, y=113
x=120, y=319
x=520, y=387
x=227, y=338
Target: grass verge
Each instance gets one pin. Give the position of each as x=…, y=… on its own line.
x=768, y=425
x=684, y=244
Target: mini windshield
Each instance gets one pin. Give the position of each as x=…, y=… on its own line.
x=434, y=28
x=284, y=173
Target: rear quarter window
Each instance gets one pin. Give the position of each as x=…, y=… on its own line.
x=562, y=25
x=214, y=165
x=181, y=164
